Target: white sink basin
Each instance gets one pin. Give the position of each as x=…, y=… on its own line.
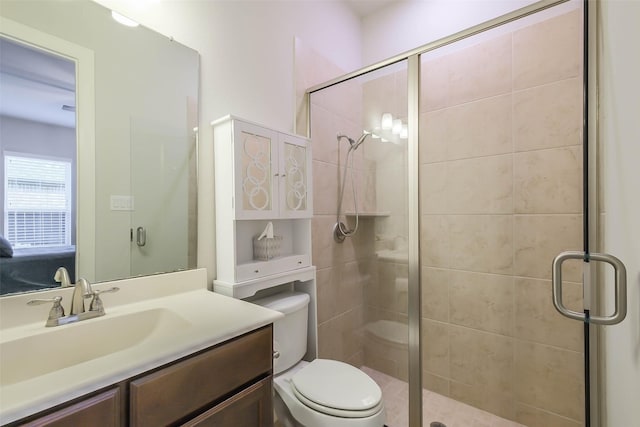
x=52, y=349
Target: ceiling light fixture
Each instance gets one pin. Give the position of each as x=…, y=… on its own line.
x=397, y=127
x=387, y=121
x=123, y=19
x=404, y=133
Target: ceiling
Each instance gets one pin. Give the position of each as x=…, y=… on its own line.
x=363, y=8
x=34, y=85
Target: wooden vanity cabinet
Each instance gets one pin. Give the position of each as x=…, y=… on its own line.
x=102, y=410
x=250, y=407
x=199, y=383
x=227, y=385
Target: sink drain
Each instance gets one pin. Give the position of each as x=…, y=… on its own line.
x=437, y=424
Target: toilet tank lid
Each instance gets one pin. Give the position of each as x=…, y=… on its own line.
x=284, y=302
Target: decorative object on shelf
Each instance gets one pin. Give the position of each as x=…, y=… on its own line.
x=266, y=246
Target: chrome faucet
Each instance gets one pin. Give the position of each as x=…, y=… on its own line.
x=62, y=277
x=81, y=290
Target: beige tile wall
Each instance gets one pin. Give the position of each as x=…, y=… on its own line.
x=500, y=197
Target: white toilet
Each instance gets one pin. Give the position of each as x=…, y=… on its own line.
x=321, y=393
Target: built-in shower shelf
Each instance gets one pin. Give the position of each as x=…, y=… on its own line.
x=369, y=214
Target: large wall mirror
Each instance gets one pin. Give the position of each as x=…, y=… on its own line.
x=98, y=146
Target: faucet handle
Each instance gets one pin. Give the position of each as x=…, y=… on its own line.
x=56, y=311
x=96, y=302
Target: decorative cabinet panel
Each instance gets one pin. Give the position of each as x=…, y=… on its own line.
x=262, y=176
x=295, y=173
x=270, y=170
x=256, y=172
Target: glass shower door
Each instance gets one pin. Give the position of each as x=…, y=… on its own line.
x=501, y=195
x=362, y=282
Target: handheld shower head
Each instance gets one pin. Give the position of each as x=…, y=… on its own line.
x=341, y=135
x=360, y=140
x=353, y=144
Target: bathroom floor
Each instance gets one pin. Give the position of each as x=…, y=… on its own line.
x=435, y=406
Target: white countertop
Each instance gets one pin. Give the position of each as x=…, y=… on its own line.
x=206, y=319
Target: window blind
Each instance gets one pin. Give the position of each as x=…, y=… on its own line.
x=38, y=202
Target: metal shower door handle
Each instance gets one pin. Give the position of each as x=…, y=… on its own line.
x=620, y=287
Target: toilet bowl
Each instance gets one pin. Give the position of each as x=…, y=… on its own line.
x=322, y=405
x=321, y=393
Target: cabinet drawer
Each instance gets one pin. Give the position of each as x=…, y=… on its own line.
x=102, y=410
x=250, y=407
x=193, y=385
x=254, y=270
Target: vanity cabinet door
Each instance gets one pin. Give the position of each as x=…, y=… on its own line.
x=192, y=386
x=102, y=410
x=251, y=407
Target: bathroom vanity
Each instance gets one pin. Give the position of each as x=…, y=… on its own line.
x=190, y=357
x=228, y=384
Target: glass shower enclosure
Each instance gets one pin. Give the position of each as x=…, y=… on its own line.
x=468, y=184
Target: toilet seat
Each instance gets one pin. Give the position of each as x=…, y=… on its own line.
x=337, y=389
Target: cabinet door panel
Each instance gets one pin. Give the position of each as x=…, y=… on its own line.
x=102, y=410
x=192, y=385
x=251, y=407
x=295, y=177
x=256, y=191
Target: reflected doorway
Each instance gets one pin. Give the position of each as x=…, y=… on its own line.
x=38, y=166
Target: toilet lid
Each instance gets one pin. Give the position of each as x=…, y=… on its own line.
x=337, y=388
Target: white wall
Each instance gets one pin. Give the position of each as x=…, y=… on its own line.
x=246, y=50
x=620, y=130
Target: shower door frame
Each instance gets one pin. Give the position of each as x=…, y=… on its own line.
x=592, y=356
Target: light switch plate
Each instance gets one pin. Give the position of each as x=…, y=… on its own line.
x=121, y=203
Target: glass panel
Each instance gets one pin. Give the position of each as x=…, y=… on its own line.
x=501, y=195
x=161, y=173
x=256, y=172
x=362, y=282
x=295, y=160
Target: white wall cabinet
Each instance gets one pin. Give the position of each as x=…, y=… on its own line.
x=270, y=169
x=261, y=176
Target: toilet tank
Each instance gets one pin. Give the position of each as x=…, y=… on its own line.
x=290, y=332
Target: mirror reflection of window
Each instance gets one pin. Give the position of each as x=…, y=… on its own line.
x=38, y=202
x=38, y=150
